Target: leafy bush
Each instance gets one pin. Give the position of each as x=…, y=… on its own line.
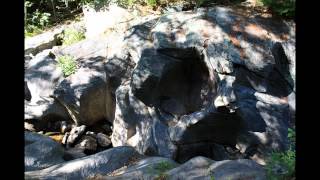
x=71, y=36
x=285, y=8
x=36, y=21
x=281, y=165
x=151, y=2
x=67, y=64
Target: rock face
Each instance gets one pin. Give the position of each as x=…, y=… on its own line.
x=41, y=152
x=204, y=168
x=210, y=68
x=41, y=42
x=182, y=85
x=103, y=140
x=105, y=17
x=88, y=144
x=101, y=163
x=147, y=168
x=75, y=134
x=41, y=77
x=196, y=168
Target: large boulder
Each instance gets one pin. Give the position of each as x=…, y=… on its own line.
x=41, y=152
x=104, y=14
x=136, y=124
x=101, y=163
x=103, y=65
x=41, y=77
x=255, y=61
x=147, y=168
x=196, y=168
x=83, y=93
x=204, y=168
x=176, y=78
x=43, y=41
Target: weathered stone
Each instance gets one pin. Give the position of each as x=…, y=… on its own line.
x=83, y=93
x=129, y=113
x=41, y=152
x=103, y=140
x=206, y=149
x=88, y=144
x=41, y=77
x=118, y=70
x=173, y=77
x=203, y=168
x=225, y=95
x=75, y=134
x=105, y=17
x=43, y=41
x=92, y=134
x=196, y=168
x=73, y=153
x=226, y=35
x=45, y=110
x=137, y=125
x=85, y=49
x=27, y=94
x=64, y=126
x=206, y=126
x=147, y=168
x=101, y=163
x=65, y=138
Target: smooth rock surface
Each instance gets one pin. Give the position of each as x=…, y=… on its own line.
x=41, y=152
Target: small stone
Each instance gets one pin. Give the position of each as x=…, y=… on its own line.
x=75, y=134
x=65, y=138
x=107, y=128
x=90, y=133
x=88, y=144
x=103, y=140
x=29, y=126
x=64, y=127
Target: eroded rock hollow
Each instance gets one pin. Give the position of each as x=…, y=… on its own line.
x=210, y=82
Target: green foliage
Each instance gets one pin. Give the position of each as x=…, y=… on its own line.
x=291, y=135
x=281, y=165
x=160, y=169
x=211, y=177
x=151, y=2
x=200, y=2
x=36, y=21
x=67, y=64
x=285, y=8
x=71, y=36
x=163, y=166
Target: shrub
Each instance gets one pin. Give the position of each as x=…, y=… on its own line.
x=71, y=36
x=281, y=165
x=67, y=64
x=285, y=8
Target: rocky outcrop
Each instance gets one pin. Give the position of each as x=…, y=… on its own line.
x=43, y=41
x=204, y=168
x=196, y=168
x=101, y=163
x=210, y=82
x=213, y=60
x=41, y=152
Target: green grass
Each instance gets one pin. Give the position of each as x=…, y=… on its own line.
x=71, y=36
x=67, y=64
